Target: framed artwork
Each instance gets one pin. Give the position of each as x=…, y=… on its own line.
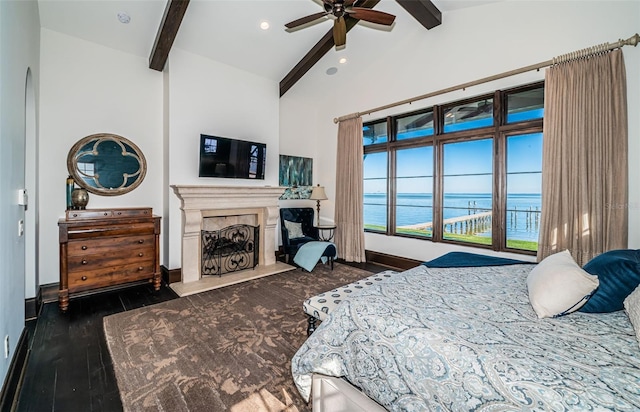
x=296, y=173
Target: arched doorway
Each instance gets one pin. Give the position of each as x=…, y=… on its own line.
x=31, y=280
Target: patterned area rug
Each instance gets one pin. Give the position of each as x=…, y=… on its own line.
x=227, y=349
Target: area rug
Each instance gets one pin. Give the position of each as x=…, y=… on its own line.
x=227, y=349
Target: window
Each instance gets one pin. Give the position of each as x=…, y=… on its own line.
x=86, y=169
x=525, y=105
x=374, y=133
x=469, y=116
x=524, y=188
x=210, y=145
x=465, y=172
x=416, y=125
x=414, y=191
x=468, y=197
x=375, y=191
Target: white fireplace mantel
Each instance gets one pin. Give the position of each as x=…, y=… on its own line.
x=199, y=202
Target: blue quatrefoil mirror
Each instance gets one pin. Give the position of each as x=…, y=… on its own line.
x=106, y=164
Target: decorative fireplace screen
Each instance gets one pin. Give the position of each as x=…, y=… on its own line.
x=229, y=249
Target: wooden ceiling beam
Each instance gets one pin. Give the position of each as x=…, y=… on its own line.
x=317, y=52
x=424, y=11
x=167, y=32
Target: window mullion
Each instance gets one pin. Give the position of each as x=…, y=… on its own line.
x=499, y=195
x=391, y=179
x=437, y=190
x=438, y=121
x=499, y=176
x=392, y=187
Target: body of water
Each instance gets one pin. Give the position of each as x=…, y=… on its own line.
x=415, y=208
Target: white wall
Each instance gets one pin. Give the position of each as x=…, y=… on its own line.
x=86, y=89
x=19, y=51
x=470, y=44
x=297, y=139
x=212, y=98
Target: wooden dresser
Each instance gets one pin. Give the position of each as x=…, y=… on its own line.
x=105, y=249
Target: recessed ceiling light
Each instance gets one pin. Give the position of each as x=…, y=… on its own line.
x=332, y=70
x=264, y=25
x=343, y=60
x=124, y=17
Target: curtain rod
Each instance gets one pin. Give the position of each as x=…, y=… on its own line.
x=631, y=41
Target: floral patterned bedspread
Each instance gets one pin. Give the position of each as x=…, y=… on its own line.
x=467, y=339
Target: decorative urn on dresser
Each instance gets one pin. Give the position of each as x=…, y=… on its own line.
x=105, y=249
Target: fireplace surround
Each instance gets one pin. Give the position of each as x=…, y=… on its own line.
x=201, y=205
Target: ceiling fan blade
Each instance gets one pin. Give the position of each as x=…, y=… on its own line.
x=305, y=20
x=339, y=32
x=373, y=16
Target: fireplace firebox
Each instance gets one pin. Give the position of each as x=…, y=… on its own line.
x=230, y=249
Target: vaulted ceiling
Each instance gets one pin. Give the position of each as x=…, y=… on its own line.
x=228, y=31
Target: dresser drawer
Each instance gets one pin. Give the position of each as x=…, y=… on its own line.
x=107, y=213
x=84, y=262
x=109, y=276
x=109, y=230
x=122, y=244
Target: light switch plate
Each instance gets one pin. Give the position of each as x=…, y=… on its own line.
x=23, y=199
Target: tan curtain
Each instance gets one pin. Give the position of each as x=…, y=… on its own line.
x=584, y=165
x=349, y=234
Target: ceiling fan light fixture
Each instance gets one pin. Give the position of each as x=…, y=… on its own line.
x=338, y=11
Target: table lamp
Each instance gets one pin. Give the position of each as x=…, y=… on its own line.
x=318, y=194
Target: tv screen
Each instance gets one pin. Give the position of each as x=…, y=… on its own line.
x=225, y=157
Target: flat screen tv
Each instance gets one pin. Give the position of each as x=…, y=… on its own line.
x=232, y=158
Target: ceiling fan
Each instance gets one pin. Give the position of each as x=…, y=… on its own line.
x=341, y=9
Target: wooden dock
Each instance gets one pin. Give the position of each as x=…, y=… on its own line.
x=468, y=224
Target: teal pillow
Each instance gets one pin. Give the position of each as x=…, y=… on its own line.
x=619, y=274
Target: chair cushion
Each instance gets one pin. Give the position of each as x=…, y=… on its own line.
x=299, y=241
x=321, y=305
x=294, y=228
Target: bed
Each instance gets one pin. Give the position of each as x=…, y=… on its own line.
x=468, y=338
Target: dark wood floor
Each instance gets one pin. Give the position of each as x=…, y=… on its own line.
x=69, y=366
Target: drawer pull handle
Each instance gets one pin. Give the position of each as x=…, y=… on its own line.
x=84, y=278
x=141, y=241
x=140, y=268
x=84, y=262
x=105, y=213
x=84, y=248
x=140, y=254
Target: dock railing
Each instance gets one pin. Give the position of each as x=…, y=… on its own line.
x=468, y=224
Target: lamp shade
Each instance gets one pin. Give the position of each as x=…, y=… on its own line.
x=318, y=193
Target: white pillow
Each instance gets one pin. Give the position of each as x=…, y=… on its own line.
x=632, y=307
x=295, y=229
x=558, y=286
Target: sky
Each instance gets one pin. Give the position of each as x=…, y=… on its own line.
x=467, y=167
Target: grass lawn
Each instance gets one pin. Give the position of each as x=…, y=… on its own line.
x=481, y=240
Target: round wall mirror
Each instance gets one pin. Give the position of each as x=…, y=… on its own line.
x=106, y=164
